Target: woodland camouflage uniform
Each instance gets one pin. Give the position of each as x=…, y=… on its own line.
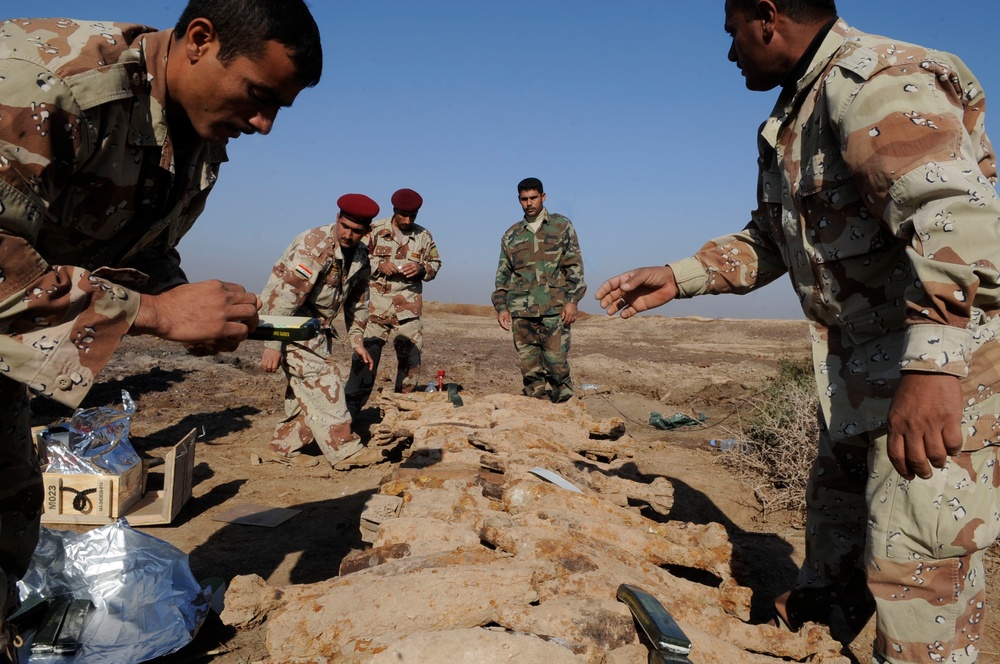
x=315, y=278
x=876, y=195
x=87, y=179
x=395, y=306
x=536, y=275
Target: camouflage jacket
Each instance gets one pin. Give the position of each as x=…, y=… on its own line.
x=313, y=279
x=398, y=298
x=876, y=194
x=538, y=273
x=92, y=198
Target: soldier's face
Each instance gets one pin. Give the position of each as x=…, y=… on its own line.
x=242, y=96
x=749, y=50
x=531, y=202
x=403, y=220
x=349, y=232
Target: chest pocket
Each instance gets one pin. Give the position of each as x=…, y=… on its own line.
x=840, y=226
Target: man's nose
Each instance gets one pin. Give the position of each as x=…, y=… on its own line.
x=263, y=121
x=732, y=52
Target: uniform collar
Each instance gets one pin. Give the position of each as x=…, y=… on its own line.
x=823, y=50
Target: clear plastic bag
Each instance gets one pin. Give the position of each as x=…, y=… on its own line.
x=147, y=602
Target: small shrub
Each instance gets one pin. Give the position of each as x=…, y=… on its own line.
x=778, y=440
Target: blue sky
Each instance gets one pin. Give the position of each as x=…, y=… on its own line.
x=640, y=128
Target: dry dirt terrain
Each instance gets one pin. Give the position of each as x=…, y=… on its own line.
x=648, y=364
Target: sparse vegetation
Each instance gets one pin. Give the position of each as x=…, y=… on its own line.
x=777, y=440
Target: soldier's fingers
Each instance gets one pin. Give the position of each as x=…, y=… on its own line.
x=233, y=288
x=916, y=457
x=935, y=451
x=895, y=449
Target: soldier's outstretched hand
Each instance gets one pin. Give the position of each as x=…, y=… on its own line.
x=637, y=290
x=209, y=316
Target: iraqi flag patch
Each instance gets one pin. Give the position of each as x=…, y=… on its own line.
x=303, y=271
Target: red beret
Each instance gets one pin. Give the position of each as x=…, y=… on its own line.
x=358, y=207
x=407, y=200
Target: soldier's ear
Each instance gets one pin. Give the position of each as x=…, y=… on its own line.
x=200, y=39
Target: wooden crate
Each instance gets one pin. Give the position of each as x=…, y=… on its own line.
x=115, y=496
x=74, y=498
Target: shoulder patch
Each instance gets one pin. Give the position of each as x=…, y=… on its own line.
x=303, y=271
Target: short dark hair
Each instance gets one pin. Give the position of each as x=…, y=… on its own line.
x=530, y=184
x=244, y=26
x=801, y=11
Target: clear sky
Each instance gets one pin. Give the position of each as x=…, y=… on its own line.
x=629, y=112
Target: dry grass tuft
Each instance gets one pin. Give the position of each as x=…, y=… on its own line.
x=777, y=441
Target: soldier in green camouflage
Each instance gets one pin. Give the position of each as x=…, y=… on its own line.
x=876, y=195
x=102, y=171
x=403, y=256
x=539, y=284
x=322, y=273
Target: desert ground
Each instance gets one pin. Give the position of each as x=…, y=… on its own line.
x=644, y=365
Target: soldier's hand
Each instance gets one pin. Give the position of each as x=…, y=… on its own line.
x=637, y=290
x=365, y=356
x=271, y=359
x=411, y=270
x=925, y=423
x=504, y=319
x=207, y=315
x=569, y=313
x=388, y=268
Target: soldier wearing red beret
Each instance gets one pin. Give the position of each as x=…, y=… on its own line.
x=323, y=272
x=402, y=256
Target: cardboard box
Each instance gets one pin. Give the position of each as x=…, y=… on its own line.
x=109, y=496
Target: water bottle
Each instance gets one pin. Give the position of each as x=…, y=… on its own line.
x=723, y=445
x=431, y=387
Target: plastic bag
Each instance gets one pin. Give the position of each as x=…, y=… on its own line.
x=94, y=442
x=676, y=421
x=147, y=601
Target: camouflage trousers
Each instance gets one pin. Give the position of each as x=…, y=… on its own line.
x=315, y=408
x=408, y=343
x=20, y=495
x=912, y=550
x=542, y=345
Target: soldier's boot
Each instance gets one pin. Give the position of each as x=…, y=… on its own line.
x=296, y=459
x=844, y=608
x=366, y=456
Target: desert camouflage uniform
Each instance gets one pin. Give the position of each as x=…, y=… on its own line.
x=396, y=304
x=536, y=275
x=92, y=204
x=877, y=196
x=314, y=278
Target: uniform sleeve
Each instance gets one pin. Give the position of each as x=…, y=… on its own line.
x=504, y=273
x=430, y=260
x=356, y=308
x=59, y=324
x=921, y=160
x=291, y=281
x=572, y=267
x=736, y=263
